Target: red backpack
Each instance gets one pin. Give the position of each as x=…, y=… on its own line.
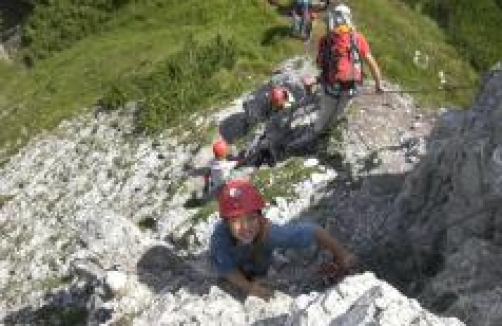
x=341, y=60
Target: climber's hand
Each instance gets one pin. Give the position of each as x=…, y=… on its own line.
x=348, y=263
x=332, y=272
x=260, y=291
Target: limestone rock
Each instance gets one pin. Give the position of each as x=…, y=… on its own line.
x=450, y=213
x=116, y=282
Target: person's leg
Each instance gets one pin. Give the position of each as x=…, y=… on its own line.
x=329, y=105
x=303, y=24
x=277, y=139
x=308, y=28
x=270, y=159
x=264, y=156
x=297, y=24
x=307, y=138
x=302, y=143
x=341, y=105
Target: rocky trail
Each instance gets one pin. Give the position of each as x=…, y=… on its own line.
x=96, y=228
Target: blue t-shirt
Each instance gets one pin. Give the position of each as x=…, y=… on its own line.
x=227, y=256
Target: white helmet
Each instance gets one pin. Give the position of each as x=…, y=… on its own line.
x=340, y=15
x=343, y=9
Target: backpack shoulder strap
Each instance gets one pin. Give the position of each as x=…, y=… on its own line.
x=327, y=55
x=354, y=47
x=355, y=54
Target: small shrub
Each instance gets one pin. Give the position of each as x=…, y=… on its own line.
x=276, y=182
x=184, y=83
x=117, y=95
x=205, y=211
x=57, y=24
x=54, y=315
x=147, y=223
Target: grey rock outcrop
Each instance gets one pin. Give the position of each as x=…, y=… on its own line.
x=358, y=300
x=450, y=213
x=94, y=225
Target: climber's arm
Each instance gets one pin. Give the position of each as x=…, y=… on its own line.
x=251, y=288
x=346, y=259
x=375, y=72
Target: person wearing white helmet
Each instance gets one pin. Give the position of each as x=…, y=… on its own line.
x=344, y=12
x=340, y=57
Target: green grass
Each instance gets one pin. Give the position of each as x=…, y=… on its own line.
x=395, y=33
x=472, y=26
x=205, y=211
x=190, y=133
x=144, y=38
x=147, y=223
x=187, y=81
x=69, y=315
x=135, y=44
x=55, y=25
x=277, y=181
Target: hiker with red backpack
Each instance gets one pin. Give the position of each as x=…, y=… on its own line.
x=243, y=240
x=340, y=56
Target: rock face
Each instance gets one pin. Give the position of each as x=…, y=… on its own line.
x=84, y=200
x=95, y=224
x=450, y=213
x=359, y=300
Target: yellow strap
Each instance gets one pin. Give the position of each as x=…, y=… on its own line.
x=342, y=29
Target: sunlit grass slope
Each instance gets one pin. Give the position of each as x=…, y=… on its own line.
x=177, y=57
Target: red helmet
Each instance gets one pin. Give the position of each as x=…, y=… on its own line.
x=220, y=148
x=277, y=96
x=239, y=197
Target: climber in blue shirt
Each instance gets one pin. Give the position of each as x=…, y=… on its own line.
x=243, y=241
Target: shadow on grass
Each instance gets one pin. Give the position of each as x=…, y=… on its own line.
x=275, y=34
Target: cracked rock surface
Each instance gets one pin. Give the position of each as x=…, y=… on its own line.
x=95, y=226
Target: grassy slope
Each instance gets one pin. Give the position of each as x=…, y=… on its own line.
x=135, y=41
x=396, y=33
x=143, y=35
x=473, y=26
